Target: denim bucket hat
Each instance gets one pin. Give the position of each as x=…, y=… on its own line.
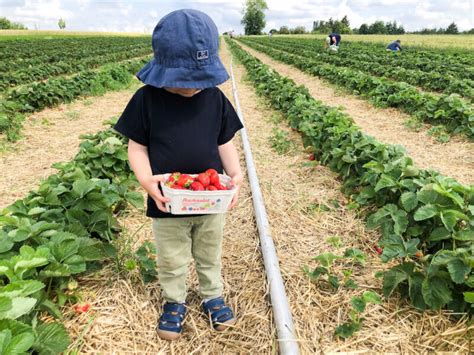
x=185, y=46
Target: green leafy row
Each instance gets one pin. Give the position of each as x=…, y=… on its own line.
x=24, y=53
x=458, y=64
x=368, y=62
x=37, y=96
x=56, y=233
x=449, y=110
x=426, y=220
x=46, y=70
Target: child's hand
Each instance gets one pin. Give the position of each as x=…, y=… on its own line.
x=151, y=186
x=237, y=182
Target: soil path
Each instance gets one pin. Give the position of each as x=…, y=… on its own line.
x=454, y=159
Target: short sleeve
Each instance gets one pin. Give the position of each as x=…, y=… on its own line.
x=133, y=123
x=230, y=122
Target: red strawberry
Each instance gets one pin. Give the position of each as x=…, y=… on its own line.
x=185, y=180
x=173, y=177
x=211, y=172
x=214, y=179
x=211, y=188
x=78, y=309
x=378, y=249
x=219, y=186
x=204, y=179
x=177, y=187
x=311, y=156
x=197, y=186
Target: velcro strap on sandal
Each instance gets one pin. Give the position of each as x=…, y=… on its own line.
x=175, y=308
x=172, y=318
x=222, y=314
x=214, y=305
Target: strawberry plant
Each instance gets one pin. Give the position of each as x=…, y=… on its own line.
x=359, y=304
x=37, y=96
x=433, y=74
x=449, y=110
x=57, y=232
x=417, y=211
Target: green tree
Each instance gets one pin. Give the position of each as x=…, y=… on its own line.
x=378, y=27
x=298, y=30
x=452, y=29
x=284, y=30
x=6, y=24
x=364, y=29
x=62, y=24
x=345, y=22
x=254, y=17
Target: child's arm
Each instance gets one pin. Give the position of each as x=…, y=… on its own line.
x=230, y=161
x=140, y=163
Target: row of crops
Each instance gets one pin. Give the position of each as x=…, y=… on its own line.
x=66, y=227
x=385, y=87
x=426, y=220
x=416, y=67
x=63, y=229
x=45, y=73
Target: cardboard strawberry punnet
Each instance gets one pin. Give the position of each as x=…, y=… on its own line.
x=204, y=193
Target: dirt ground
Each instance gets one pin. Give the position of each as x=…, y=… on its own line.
x=454, y=159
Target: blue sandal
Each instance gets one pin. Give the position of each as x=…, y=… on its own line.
x=221, y=315
x=170, y=324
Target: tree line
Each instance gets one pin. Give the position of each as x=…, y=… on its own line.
x=6, y=24
x=254, y=23
x=378, y=27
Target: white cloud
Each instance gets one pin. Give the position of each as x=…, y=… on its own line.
x=142, y=15
x=42, y=9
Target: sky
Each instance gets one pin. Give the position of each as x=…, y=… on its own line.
x=142, y=15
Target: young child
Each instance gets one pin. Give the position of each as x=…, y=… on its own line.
x=180, y=121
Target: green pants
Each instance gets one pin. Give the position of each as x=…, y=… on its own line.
x=178, y=241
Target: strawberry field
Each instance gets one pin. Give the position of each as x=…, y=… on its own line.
x=44, y=73
x=375, y=237
x=391, y=80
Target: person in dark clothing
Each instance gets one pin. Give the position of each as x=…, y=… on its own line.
x=181, y=121
x=394, y=46
x=333, y=39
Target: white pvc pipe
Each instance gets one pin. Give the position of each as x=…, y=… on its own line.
x=287, y=341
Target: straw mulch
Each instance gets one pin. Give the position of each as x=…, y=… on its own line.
x=291, y=189
x=124, y=312
x=454, y=159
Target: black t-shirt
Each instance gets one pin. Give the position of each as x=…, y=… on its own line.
x=181, y=133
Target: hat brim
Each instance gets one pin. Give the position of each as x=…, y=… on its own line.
x=206, y=76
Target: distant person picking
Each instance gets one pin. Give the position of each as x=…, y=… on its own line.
x=394, y=46
x=332, y=41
